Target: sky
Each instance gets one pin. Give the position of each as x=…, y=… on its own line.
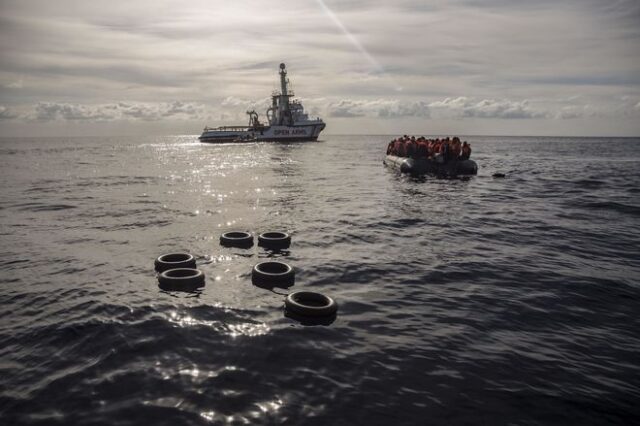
x=433, y=67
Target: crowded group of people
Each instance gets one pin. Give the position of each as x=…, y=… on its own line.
x=441, y=149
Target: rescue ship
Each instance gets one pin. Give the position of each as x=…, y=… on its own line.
x=286, y=121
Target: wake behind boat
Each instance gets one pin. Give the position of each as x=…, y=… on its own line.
x=287, y=121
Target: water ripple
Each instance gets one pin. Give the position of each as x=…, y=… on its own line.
x=499, y=301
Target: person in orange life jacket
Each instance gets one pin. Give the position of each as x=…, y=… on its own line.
x=466, y=151
x=390, y=148
x=422, y=139
x=402, y=148
x=396, y=147
x=455, y=148
x=436, y=147
x=430, y=148
x=445, y=150
x=422, y=148
x=411, y=147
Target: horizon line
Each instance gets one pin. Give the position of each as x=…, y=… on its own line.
x=195, y=135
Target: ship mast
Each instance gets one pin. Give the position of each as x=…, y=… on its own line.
x=284, y=114
x=283, y=79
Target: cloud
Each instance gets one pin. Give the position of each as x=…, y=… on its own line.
x=18, y=84
x=626, y=106
x=463, y=107
x=7, y=114
x=457, y=48
x=577, y=111
x=382, y=108
x=236, y=102
x=52, y=111
x=233, y=109
x=49, y=111
x=347, y=108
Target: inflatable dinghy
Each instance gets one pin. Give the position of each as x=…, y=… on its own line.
x=423, y=166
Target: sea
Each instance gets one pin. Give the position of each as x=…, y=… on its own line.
x=475, y=301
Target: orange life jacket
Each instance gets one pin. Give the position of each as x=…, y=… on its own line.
x=396, y=147
x=455, y=149
x=423, y=151
x=402, y=149
x=411, y=148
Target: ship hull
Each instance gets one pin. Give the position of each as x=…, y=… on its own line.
x=298, y=133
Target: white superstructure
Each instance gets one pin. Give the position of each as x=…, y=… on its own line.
x=287, y=121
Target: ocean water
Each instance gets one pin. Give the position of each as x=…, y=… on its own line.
x=481, y=301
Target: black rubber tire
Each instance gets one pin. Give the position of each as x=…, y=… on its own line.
x=236, y=239
x=274, y=240
x=174, y=260
x=308, y=303
x=273, y=274
x=181, y=279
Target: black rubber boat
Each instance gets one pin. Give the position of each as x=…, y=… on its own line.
x=423, y=166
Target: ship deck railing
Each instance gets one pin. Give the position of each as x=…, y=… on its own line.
x=236, y=128
x=228, y=128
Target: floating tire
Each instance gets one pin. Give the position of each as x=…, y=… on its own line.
x=174, y=260
x=236, y=239
x=274, y=240
x=181, y=279
x=308, y=303
x=273, y=274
